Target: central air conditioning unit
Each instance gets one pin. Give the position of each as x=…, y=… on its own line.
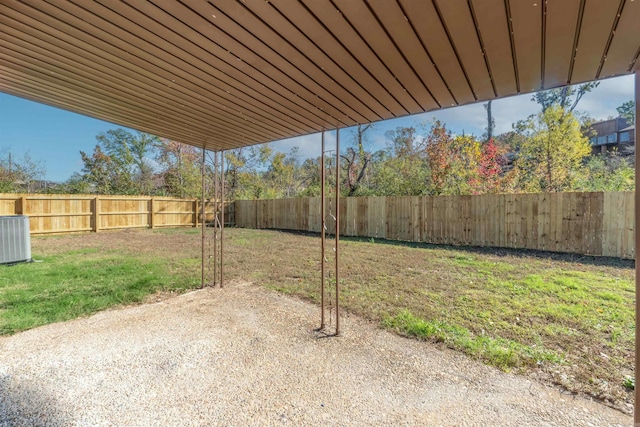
x=15, y=240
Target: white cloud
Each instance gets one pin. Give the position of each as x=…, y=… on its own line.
x=603, y=100
x=509, y=110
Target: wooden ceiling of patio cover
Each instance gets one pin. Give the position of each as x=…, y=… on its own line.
x=231, y=73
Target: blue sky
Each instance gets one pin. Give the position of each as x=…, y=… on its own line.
x=55, y=137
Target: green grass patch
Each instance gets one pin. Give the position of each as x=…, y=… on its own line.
x=502, y=353
x=77, y=283
x=178, y=231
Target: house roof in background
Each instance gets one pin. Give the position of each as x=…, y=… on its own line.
x=225, y=74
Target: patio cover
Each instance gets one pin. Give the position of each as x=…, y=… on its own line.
x=230, y=73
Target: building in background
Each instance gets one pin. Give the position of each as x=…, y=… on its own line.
x=612, y=135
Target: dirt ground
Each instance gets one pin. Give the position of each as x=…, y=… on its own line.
x=245, y=355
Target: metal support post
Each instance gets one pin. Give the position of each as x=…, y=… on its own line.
x=203, y=219
x=322, y=234
x=337, y=252
x=221, y=216
x=636, y=412
x=215, y=218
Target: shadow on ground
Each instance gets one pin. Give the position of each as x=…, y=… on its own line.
x=24, y=404
x=596, y=261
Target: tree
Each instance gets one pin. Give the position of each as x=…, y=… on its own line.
x=119, y=163
x=460, y=164
x=140, y=149
x=491, y=122
x=30, y=171
x=98, y=170
x=567, y=98
x=19, y=175
x=441, y=157
x=241, y=172
x=628, y=112
x=403, y=142
x=551, y=152
x=281, y=176
x=181, y=170
x=309, y=173
x=357, y=161
x=262, y=172
x=606, y=172
x=490, y=175
x=402, y=168
x=76, y=184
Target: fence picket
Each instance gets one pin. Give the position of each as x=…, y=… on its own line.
x=54, y=213
x=589, y=223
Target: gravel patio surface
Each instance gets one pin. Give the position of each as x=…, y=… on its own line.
x=244, y=355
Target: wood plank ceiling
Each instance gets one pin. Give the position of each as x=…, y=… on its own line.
x=230, y=73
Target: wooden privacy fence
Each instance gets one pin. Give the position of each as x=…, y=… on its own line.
x=77, y=213
x=584, y=223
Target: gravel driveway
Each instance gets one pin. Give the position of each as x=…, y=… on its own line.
x=244, y=355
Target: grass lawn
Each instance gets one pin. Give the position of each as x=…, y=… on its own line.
x=72, y=280
x=560, y=318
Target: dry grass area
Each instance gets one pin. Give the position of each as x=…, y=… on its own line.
x=564, y=319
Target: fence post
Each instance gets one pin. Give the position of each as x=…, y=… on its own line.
x=23, y=206
x=195, y=212
x=230, y=213
x=152, y=222
x=96, y=214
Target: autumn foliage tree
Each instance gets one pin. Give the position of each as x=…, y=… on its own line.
x=460, y=164
x=490, y=175
x=440, y=156
x=545, y=152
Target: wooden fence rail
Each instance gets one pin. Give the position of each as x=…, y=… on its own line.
x=584, y=223
x=77, y=213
